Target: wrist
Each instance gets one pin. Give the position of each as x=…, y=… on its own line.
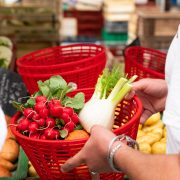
x=115, y=146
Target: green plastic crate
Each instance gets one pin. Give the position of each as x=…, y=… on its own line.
x=122, y=37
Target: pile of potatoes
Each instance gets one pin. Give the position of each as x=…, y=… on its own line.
x=9, y=155
x=151, y=136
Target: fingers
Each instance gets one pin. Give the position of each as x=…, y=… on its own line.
x=130, y=95
x=146, y=114
x=73, y=162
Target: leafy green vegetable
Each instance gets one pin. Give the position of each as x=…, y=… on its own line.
x=55, y=88
x=108, y=80
x=76, y=102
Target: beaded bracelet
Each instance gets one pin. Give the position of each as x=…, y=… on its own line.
x=130, y=142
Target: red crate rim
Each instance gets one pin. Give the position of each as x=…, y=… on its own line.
x=20, y=65
x=63, y=73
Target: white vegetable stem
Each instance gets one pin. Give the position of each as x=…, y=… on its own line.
x=101, y=111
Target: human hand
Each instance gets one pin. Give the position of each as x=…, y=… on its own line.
x=153, y=93
x=95, y=150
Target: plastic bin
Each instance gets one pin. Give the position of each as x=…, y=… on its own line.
x=47, y=155
x=79, y=63
x=144, y=62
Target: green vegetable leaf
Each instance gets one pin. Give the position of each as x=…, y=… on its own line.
x=31, y=102
x=78, y=127
x=57, y=82
x=18, y=106
x=76, y=102
x=38, y=93
x=44, y=88
x=63, y=133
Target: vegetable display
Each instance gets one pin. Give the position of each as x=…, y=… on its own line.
x=5, y=51
x=109, y=92
x=50, y=113
x=152, y=135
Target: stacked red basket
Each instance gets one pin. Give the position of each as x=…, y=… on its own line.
x=48, y=155
x=144, y=62
x=79, y=63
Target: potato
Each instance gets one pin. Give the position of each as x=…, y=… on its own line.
x=32, y=172
x=140, y=126
x=140, y=133
x=10, y=150
x=149, y=138
x=10, y=134
x=164, y=132
x=145, y=148
x=8, y=118
x=158, y=131
x=153, y=119
x=145, y=139
x=7, y=164
x=158, y=124
x=4, y=172
x=163, y=140
x=155, y=137
x=159, y=148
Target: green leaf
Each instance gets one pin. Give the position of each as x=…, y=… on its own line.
x=18, y=106
x=31, y=102
x=44, y=88
x=57, y=82
x=78, y=127
x=63, y=133
x=76, y=102
x=38, y=93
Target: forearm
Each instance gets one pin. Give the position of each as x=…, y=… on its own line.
x=147, y=167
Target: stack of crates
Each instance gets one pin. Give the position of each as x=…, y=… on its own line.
x=33, y=25
x=117, y=14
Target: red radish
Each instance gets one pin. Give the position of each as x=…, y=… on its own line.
x=41, y=99
x=36, y=117
x=41, y=121
x=33, y=127
x=23, y=124
x=39, y=106
x=50, y=122
x=56, y=110
x=53, y=102
x=69, y=126
x=47, y=132
x=68, y=110
x=43, y=137
x=28, y=112
x=54, y=134
x=44, y=112
x=34, y=135
x=75, y=118
x=65, y=117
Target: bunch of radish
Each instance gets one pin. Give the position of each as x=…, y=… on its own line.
x=50, y=117
x=47, y=120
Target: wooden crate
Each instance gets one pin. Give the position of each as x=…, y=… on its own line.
x=54, y=5
x=156, y=29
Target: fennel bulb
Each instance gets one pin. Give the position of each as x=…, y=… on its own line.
x=100, y=109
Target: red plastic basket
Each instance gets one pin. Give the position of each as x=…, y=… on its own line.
x=144, y=62
x=47, y=155
x=61, y=59
x=84, y=77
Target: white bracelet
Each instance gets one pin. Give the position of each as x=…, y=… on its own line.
x=111, y=152
x=111, y=157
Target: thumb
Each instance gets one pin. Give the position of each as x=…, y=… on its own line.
x=145, y=115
